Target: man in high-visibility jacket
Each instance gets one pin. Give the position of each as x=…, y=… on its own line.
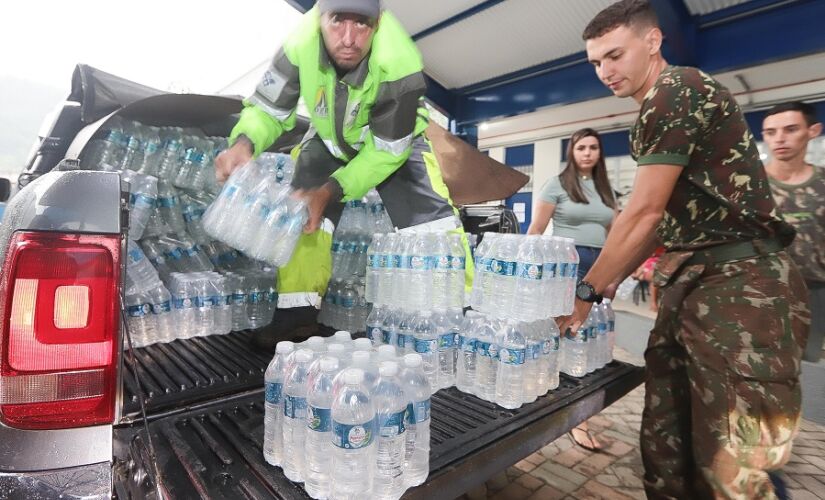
x=361, y=79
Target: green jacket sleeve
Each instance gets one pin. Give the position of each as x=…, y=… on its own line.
x=270, y=110
x=389, y=141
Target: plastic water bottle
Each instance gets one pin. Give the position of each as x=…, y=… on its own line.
x=554, y=359
x=375, y=322
x=161, y=305
x=273, y=403
x=458, y=263
x=574, y=348
x=143, y=192
x=140, y=321
x=139, y=271
x=486, y=358
x=425, y=338
x=406, y=332
x=417, y=392
x=483, y=272
x=593, y=341
x=504, y=268
x=611, y=329
x=466, y=372
x=402, y=269
x=512, y=356
x=319, y=430
x=530, y=303
x=390, y=410
x=572, y=275
x=353, y=436
x=441, y=269
x=625, y=290
x=390, y=328
x=387, y=275
x=362, y=344
x=376, y=262
x=295, y=407
x=447, y=338
x=533, y=361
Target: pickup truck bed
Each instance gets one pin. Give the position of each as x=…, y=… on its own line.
x=212, y=449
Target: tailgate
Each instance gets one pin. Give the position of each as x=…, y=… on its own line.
x=215, y=451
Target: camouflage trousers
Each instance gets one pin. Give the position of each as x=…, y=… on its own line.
x=722, y=402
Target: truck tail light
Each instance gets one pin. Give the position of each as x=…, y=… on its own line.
x=59, y=317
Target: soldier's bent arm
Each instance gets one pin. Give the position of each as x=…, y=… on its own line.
x=270, y=110
x=633, y=236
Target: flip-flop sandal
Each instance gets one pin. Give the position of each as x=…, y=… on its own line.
x=594, y=449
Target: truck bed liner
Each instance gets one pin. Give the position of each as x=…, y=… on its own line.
x=215, y=451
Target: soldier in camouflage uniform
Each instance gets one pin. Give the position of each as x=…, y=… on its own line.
x=799, y=190
x=722, y=390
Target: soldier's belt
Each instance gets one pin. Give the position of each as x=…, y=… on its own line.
x=730, y=252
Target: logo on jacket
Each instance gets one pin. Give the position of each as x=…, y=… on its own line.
x=268, y=79
x=354, y=108
x=321, y=109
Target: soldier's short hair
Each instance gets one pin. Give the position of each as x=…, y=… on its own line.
x=807, y=110
x=638, y=14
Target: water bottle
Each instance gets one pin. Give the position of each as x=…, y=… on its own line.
x=441, y=269
x=362, y=344
x=319, y=430
x=140, y=321
x=106, y=149
x=447, y=334
x=549, y=275
x=390, y=409
x=273, y=403
x=554, y=360
x=611, y=329
x=161, y=306
x=298, y=216
x=385, y=353
x=406, y=332
x=295, y=407
x=534, y=359
x=530, y=302
x=592, y=341
x=393, y=261
x=154, y=253
x=170, y=154
x=402, y=262
x=425, y=338
x=572, y=276
x=353, y=436
x=375, y=322
x=363, y=361
x=143, y=192
x=183, y=304
x=504, y=269
x=417, y=394
x=466, y=372
x=152, y=151
x=391, y=326
x=458, y=263
x=512, y=356
x=376, y=262
x=139, y=271
x=486, y=358
x=574, y=350
x=420, y=284
x=625, y=290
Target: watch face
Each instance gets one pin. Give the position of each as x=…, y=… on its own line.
x=584, y=291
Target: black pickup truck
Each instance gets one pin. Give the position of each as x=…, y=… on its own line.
x=84, y=416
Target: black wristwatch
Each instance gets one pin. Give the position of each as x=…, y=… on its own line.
x=586, y=292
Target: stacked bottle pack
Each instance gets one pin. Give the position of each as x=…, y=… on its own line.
x=256, y=213
x=345, y=304
x=180, y=283
x=347, y=420
x=591, y=346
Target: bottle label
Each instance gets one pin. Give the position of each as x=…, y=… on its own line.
x=217, y=300
x=386, y=336
x=273, y=297
x=546, y=347
x=163, y=307
x=611, y=326
x=420, y=263
x=447, y=341
x=349, y=246
x=377, y=208
x=572, y=270
x=487, y=349
x=394, y=262
x=549, y=270
x=503, y=267
x=393, y=425
x=375, y=334
x=141, y=201
x=382, y=261
x=372, y=261
x=402, y=340
x=562, y=270
x=182, y=302
x=135, y=256
x=468, y=344
x=442, y=262
x=229, y=191
x=273, y=392
x=512, y=356
x=175, y=254
x=602, y=329
x=352, y=437
x=158, y=261
x=256, y=297
x=485, y=265
x=166, y=202
x=319, y=419
x=336, y=246
x=535, y=351
x=192, y=252
x=348, y=302
x=529, y=271
x=418, y=412
x=592, y=332
x=424, y=346
x=238, y=299
x=139, y=311
x=295, y=407
x=458, y=263
x=555, y=343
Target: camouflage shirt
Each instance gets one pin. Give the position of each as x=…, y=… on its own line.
x=803, y=206
x=723, y=195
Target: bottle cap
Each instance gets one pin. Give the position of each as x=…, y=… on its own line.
x=413, y=360
x=362, y=344
x=342, y=335
x=329, y=364
x=386, y=352
x=285, y=347
x=361, y=357
x=336, y=348
x=303, y=356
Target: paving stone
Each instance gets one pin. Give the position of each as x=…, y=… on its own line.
x=628, y=477
x=600, y=421
x=816, y=460
x=806, y=450
x=565, y=472
x=803, y=495
x=618, y=448
x=635, y=494
x=803, y=469
x=548, y=493
x=594, y=465
x=513, y=491
x=525, y=466
x=609, y=480
x=632, y=441
x=812, y=484
x=549, y=451
x=552, y=479
x=603, y=492
x=536, y=458
x=570, y=457
x=530, y=482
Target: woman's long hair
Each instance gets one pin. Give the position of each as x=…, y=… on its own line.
x=569, y=177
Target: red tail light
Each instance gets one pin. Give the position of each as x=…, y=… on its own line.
x=59, y=316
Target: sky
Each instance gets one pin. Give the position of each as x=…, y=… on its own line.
x=175, y=45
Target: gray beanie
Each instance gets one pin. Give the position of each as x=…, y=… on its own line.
x=369, y=8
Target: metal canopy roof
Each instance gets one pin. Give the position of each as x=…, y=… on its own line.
x=498, y=58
